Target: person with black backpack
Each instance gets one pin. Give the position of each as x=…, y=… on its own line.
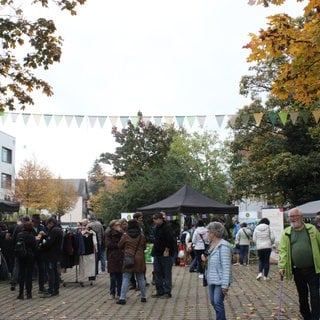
x=25, y=249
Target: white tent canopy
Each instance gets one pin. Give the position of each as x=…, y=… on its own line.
x=309, y=209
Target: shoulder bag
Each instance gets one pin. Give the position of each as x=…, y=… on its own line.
x=128, y=260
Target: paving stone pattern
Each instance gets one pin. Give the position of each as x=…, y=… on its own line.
x=248, y=299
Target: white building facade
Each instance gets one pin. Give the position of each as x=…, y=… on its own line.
x=7, y=166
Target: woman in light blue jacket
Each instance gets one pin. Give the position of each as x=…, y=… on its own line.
x=219, y=270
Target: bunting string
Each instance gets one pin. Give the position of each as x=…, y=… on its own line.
x=181, y=121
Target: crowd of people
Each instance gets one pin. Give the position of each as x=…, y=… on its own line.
x=207, y=250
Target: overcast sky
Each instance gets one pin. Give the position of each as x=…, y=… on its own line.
x=177, y=57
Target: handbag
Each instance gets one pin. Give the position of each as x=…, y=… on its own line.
x=206, y=246
x=128, y=259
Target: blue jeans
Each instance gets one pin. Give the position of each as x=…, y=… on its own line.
x=53, y=277
x=217, y=301
x=193, y=266
x=162, y=268
x=244, y=250
x=126, y=276
x=264, y=260
x=307, y=283
x=100, y=256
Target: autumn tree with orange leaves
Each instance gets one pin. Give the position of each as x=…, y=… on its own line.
x=34, y=186
x=297, y=40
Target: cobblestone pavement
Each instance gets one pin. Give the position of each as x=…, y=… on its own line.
x=248, y=299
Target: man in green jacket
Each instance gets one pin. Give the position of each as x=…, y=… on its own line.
x=299, y=255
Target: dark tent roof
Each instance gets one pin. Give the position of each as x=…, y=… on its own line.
x=188, y=200
x=9, y=206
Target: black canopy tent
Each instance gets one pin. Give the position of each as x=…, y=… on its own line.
x=187, y=200
x=9, y=206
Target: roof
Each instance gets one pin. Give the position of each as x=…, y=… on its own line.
x=80, y=186
x=188, y=200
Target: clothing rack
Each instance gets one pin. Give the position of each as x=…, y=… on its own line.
x=72, y=232
x=65, y=283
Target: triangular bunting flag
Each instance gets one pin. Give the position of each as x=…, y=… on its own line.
x=157, y=120
x=37, y=118
x=294, y=116
x=273, y=117
x=25, y=117
x=68, y=120
x=219, y=119
x=191, y=120
x=168, y=119
x=102, y=120
x=305, y=116
x=14, y=116
x=113, y=120
x=232, y=119
x=79, y=120
x=180, y=120
x=57, y=119
x=316, y=115
x=4, y=117
x=146, y=120
x=258, y=117
x=92, y=120
x=283, y=115
x=134, y=120
x=245, y=118
x=47, y=118
x=124, y=121
x=201, y=120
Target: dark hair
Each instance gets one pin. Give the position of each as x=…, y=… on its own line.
x=200, y=223
x=158, y=216
x=243, y=224
x=52, y=220
x=133, y=224
x=137, y=215
x=27, y=226
x=265, y=221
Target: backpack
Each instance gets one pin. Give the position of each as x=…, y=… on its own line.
x=20, y=249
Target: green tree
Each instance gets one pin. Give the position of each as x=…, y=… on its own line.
x=96, y=178
x=202, y=156
x=272, y=161
x=26, y=46
x=141, y=147
x=178, y=158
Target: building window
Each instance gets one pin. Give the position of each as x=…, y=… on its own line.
x=6, y=155
x=6, y=181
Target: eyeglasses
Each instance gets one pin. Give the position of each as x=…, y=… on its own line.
x=295, y=216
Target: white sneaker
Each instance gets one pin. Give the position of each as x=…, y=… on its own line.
x=236, y=264
x=201, y=276
x=266, y=278
x=259, y=276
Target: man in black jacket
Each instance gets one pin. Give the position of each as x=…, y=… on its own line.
x=52, y=247
x=164, y=247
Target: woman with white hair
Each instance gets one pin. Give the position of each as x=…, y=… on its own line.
x=219, y=270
